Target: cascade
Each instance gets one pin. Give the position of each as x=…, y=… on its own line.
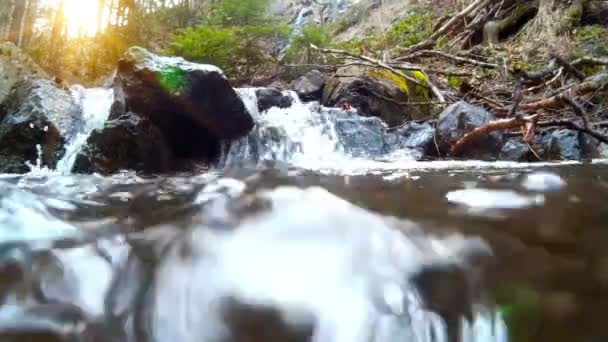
x=96, y=103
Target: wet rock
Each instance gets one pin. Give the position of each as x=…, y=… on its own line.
x=603, y=151
x=127, y=143
x=310, y=86
x=193, y=105
x=419, y=137
x=565, y=144
x=37, y=112
x=459, y=119
x=371, y=96
x=15, y=66
x=360, y=136
x=272, y=97
x=515, y=150
x=44, y=322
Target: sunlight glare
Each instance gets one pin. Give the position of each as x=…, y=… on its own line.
x=81, y=17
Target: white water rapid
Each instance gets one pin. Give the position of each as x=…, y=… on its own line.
x=95, y=103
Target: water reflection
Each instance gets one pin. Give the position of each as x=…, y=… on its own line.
x=199, y=257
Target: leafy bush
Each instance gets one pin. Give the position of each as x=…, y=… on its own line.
x=205, y=44
x=412, y=29
x=299, y=50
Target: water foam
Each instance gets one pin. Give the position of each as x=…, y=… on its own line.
x=96, y=103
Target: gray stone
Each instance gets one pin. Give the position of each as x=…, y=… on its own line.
x=36, y=113
x=361, y=136
x=310, y=86
x=461, y=118
x=413, y=136
x=371, y=97
x=514, y=150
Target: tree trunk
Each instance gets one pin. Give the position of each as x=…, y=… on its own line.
x=22, y=23
x=100, y=6
x=7, y=8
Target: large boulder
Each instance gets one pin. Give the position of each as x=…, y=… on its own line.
x=15, y=66
x=37, y=114
x=310, y=86
x=193, y=105
x=126, y=143
x=461, y=118
x=372, y=93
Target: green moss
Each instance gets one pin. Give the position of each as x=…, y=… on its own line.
x=172, y=79
x=454, y=82
x=412, y=29
x=385, y=75
x=591, y=40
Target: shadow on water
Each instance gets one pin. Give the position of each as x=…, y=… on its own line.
x=548, y=275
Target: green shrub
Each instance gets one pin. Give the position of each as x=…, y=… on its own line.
x=205, y=44
x=412, y=29
x=299, y=49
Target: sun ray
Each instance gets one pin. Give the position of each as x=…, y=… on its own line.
x=81, y=17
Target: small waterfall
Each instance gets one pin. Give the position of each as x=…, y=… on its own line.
x=311, y=136
x=96, y=103
x=303, y=134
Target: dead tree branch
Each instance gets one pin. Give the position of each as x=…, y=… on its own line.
x=592, y=84
x=383, y=65
x=496, y=125
x=445, y=55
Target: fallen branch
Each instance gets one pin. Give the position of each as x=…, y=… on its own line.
x=430, y=42
x=383, y=65
x=457, y=59
x=589, y=61
x=496, y=125
x=569, y=68
x=592, y=84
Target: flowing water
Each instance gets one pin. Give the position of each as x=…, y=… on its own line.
x=294, y=237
